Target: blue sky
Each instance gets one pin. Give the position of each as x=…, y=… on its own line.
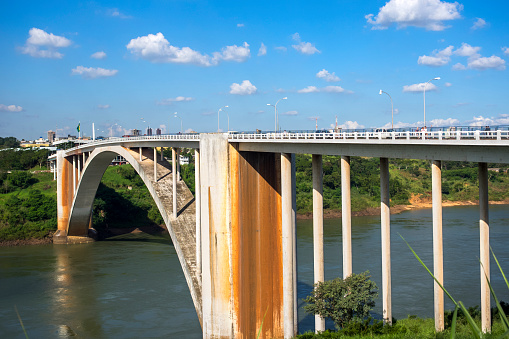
x=130, y=64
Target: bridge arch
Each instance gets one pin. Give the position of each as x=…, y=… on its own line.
x=182, y=230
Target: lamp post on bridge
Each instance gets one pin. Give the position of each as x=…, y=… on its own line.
x=221, y=109
x=392, y=109
x=176, y=116
x=275, y=113
x=424, y=94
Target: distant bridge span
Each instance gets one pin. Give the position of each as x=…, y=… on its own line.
x=236, y=238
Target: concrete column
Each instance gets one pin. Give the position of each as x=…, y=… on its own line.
x=287, y=245
x=78, y=174
x=438, y=252
x=346, y=216
x=294, y=233
x=174, y=173
x=197, y=198
x=84, y=160
x=484, y=226
x=162, y=156
x=318, y=261
x=178, y=164
x=65, y=191
x=54, y=164
x=155, y=164
x=73, y=174
x=386, y=240
x=141, y=152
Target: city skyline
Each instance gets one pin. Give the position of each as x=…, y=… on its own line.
x=128, y=66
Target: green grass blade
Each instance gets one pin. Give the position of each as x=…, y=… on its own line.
x=427, y=269
x=261, y=325
x=453, y=325
x=473, y=326
x=21, y=322
x=505, y=334
x=499, y=267
x=503, y=318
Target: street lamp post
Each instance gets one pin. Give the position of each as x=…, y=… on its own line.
x=392, y=108
x=221, y=109
x=176, y=116
x=275, y=113
x=424, y=94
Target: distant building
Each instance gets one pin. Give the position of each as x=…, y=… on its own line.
x=158, y=131
x=135, y=132
x=51, y=136
x=149, y=131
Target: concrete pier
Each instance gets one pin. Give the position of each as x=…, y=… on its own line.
x=484, y=239
x=346, y=216
x=318, y=260
x=438, y=252
x=174, y=174
x=386, y=240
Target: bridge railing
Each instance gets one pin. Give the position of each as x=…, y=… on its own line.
x=394, y=135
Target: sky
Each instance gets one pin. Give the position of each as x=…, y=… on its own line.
x=133, y=64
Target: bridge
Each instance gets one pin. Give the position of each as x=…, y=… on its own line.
x=235, y=238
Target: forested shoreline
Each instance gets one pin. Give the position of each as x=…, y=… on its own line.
x=28, y=193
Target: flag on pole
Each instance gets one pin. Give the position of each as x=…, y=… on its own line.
x=78, y=128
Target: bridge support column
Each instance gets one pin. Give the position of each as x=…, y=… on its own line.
x=438, y=252
x=386, y=240
x=288, y=238
x=197, y=198
x=155, y=164
x=174, y=174
x=74, y=181
x=178, y=164
x=242, y=248
x=346, y=216
x=65, y=190
x=484, y=227
x=162, y=155
x=141, y=153
x=318, y=229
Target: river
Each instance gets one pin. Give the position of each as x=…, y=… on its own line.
x=132, y=286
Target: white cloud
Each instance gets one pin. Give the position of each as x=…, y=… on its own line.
x=114, y=12
x=447, y=84
x=420, y=87
x=262, y=50
x=280, y=48
x=468, y=51
x=10, y=108
x=170, y=101
x=483, y=63
x=502, y=119
x=479, y=23
x=240, y=25
x=98, y=55
x=438, y=58
x=304, y=47
x=290, y=113
x=92, y=73
x=103, y=106
x=309, y=89
x=329, y=77
x=505, y=50
x=350, y=125
x=246, y=88
x=459, y=67
x=40, y=39
x=155, y=48
x=444, y=122
x=428, y=14
x=327, y=89
x=233, y=53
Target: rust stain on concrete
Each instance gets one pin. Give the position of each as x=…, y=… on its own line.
x=256, y=244
x=67, y=194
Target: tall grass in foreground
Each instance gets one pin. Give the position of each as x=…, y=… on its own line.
x=476, y=332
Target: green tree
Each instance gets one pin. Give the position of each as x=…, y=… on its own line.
x=343, y=300
x=20, y=179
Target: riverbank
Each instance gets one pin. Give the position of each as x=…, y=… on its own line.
x=415, y=203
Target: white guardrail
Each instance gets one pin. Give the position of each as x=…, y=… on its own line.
x=406, y=135
x=499, y=135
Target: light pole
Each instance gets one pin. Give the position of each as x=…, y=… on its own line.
x=176, y=116
x=275, y=113
x=424, y=94
x=392, y=109
x=218, y=116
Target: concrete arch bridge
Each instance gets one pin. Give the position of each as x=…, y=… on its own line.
x=235, y=238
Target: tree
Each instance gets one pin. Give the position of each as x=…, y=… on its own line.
x=343, y=300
